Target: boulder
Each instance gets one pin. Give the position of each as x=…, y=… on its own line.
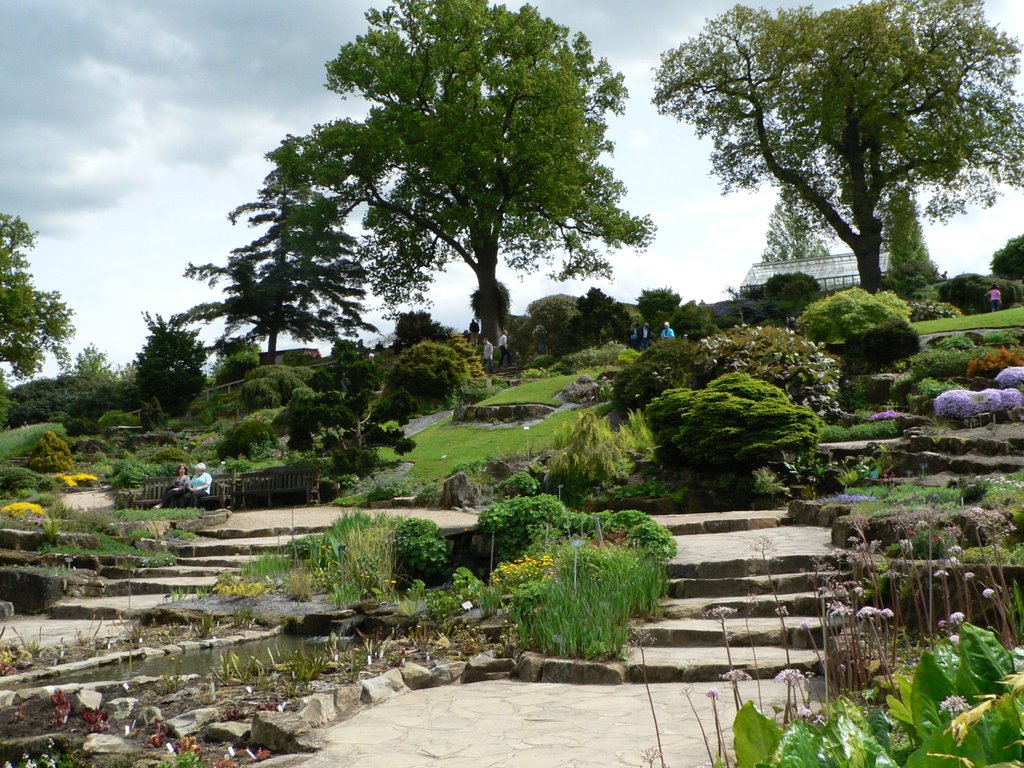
x=319, y=710
x=13, y=538
x=30, y=589
x=122, y=708
x=190, y=723
x=87, y=698
x=6, y=609
x=484, y=667
x=230, y=731
x=79, y=540
x=347, y=698
x=583, y=390
x=150, y=715
x=107, y=744
x=446, y=674
x=282, y=732
x=580, y=672
x=458, y=492
x=415, y=676
x=383, y=686
x=529, y=667
x=8, y=698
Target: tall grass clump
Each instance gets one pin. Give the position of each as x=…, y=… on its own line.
x=583, y=609
x=21, y=441
x=358, y=550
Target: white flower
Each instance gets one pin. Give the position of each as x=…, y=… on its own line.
x=886, y=613
x=941, y=574
x=968, y=575
x=954, y=639
x=719, y=612
x=956, y=619
x=782, y=611
x=988, y=592
x=792, y=677
x=736, y=676
x=713, y=693
x=954, y=705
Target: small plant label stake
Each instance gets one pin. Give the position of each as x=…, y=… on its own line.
x=468, y=605
x=576, y=544
x=170, y=747
x=250, y=754
x=248, y=689
x=231, y=751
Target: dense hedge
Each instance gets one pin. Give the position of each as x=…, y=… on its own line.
x=665, y=365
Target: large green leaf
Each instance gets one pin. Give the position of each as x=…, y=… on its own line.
x=984, y=662
x=849, y=739
x=999, y=732
x=801, y=747
x=902, y=714
x=930, y=687
x=940, y=750
x=756, y=736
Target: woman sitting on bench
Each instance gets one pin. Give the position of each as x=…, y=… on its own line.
x=178, y=493
x=199, y=486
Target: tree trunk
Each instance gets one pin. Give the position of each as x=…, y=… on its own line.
x=486, y=276
x=868, y=249
x=271, y=347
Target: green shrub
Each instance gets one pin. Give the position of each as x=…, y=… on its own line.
x=641, y=531
x=932, y=388
x=519, y=484
x=837, y=317
x=871, y=430
x=234, y=365
x=271, y=386
x=953, y=341
x=967, y=292
x=992, y=362
x=250, y=438
x=588, y=456
x=666, y=365
x=516, y=522
x=16, y=479
x=737, y=421
x=51, y=454
x=884, y=344
x=1000, y=337
x=118, y=419
x=129, y=473
x=924, y=309
x=594, y=357
x=76, y=426
x=169, y=454
x=429, y=369
x=778, y=356
x=543, y=361
x=943, y=363
x=420, y=550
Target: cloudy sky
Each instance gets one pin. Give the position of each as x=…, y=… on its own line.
x=129, y=129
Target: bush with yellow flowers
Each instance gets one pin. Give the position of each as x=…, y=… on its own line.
x=23, y=509
x=77, y=479
x=513, y=576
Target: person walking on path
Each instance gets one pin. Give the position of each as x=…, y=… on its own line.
x=503, y=346
x=667, y=332
x=488, y=356
x=995, y=298
x=645, y=337
x=474, y=331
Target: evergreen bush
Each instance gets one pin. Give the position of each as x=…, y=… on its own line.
x=51, y=454
x=16, y=479
x=118, y=419
x=884, y=344
x=251, y=438
x=665, y=365
x=429, y=369
x=967, y=292
x=737, y=421
x=943, y=363
x=837, y=317
x=271, y=386
x=925, y=309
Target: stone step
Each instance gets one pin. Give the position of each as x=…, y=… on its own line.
x=740, y=586
x=265, y=532
x=930, y=463
x=167, y=571
x=159, y=586
x=801, y=632
x=722, y=522
x=697, y=664
x=725, y=569
x=220, y=562
x=750, y=553
x=105, y=608
x=796, y=604
x=206, y=548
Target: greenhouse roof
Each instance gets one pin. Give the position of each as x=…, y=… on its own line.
x=833, y=272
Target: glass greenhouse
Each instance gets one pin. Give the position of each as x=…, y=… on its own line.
x=833, y=272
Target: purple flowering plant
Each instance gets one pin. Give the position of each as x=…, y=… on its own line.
x=1010, y=378
x=881, y=415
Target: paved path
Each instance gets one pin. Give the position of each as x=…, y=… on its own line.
x=533, y=725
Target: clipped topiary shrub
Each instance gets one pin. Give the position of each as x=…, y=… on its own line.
x=995, y=361
x=118, y=419
x=429, y=369
x=421, y=551
x=516, y=522
x=271, y=386
x=737, y=422
x=249, y=438
x=778, y=356
x=884, y=344
x=666, y=365
x=837, y=317
x=51, y=454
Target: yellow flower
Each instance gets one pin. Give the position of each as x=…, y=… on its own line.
x=23, y=508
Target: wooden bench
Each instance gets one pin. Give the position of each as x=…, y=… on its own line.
x=266, y=485
x=153, y=489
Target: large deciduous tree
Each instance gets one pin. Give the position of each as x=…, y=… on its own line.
x=483, y=144
x=32, y=322
x=852, y=105
x=299, y=277
x=789, y=236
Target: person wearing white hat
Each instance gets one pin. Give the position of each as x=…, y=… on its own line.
x=667, y=332
x=199, y=485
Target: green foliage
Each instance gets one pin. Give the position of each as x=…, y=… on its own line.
x=884, y=344
x=413, y=327
x=74, y=395
x=118, y=419
x=51, y=454
x=665, y=365
x=1008, y=261
x=151, y=415
x=932, y=388
x=791, y=286
x=927, y=309
x=954, y=341
x=595, y=357
x=588, y=456
x=129, y=473
x=32, y=322
x=641, y=531
x=789, y=237
x=465, y=350
x=501, y=162
x=692, y=321
x=870, y=430
x=250, y=438
x=828, y=103
x=1000, y=337
x=170, y=365
x=517, y=522
x=15, y=479
x=841, y=315
x=300, y=276
x=169, y=454
x=546, y=318
x=967, y=292
x=235, y=364
x=778, y=356
x=943, y=363
x=421, y=551
x=599, y=319
x=271, y=386
x=737, y=421
x=911, y=270
x=503, y=303
x=656, y=305
x=518, y=484
x=21, y=441
x=429, y=369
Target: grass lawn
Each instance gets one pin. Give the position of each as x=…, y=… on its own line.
x=1004, y=318
x=21, y=441
x=542, y=391
x=441, y=447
